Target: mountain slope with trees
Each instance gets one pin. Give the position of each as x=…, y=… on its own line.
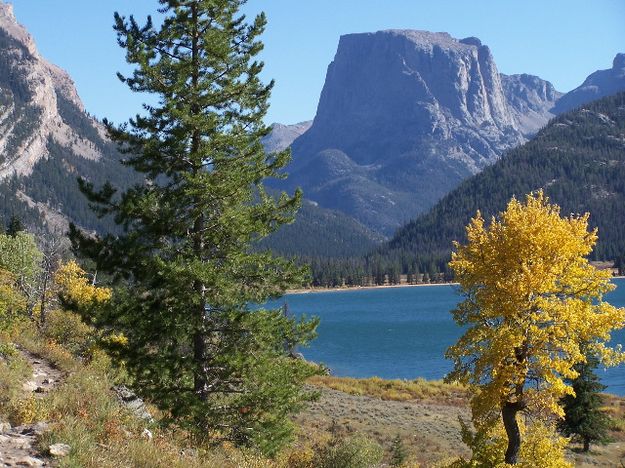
x=320, y=232
x=47, y=139
x=578, y=159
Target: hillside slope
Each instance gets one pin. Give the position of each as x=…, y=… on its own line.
x=320, y=232
x=578, y=160
x=47, y=139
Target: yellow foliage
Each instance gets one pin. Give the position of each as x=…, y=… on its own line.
x=532, y=299
x=12, y=303
x=75, y=287
x=298, y=458
x=542, y=448
x=27, y=411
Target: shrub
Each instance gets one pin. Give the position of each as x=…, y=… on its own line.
x=541, y=447
x=353, y=452
x=68, y=329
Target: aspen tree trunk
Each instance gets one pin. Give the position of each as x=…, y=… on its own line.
x=508, y=414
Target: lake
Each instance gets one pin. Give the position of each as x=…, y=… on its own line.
x=399, y=332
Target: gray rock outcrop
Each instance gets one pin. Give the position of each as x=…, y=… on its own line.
x=130, y=400
x=282, y=136
x=530, y=101
x=30, y=91
x=47, y=139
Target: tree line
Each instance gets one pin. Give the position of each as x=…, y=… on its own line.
x=578, y=159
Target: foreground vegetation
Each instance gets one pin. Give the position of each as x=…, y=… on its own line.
x=163, y=305
x=355, y=423
x=85, y=413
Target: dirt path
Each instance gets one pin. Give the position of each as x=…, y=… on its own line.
x=18, y=444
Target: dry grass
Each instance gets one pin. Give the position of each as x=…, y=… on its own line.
x=396, y=390
x=14, y=371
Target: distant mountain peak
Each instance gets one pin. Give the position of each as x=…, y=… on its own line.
x=282, y=136
x=404, y=115
x=597, y=85
x=11, y=27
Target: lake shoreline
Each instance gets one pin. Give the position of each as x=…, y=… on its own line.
x=363, y=288
x=312, y=290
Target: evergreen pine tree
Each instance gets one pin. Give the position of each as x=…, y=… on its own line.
x=15, y=225
x=184, y=269
x=582, y=415
x=398, y=452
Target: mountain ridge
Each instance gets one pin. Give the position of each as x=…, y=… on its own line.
x=408, y=115
x=47, y=139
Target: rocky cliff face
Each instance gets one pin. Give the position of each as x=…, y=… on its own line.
x=46, y=137
x=282, y=136
x=599, y=84
x=403, y=117
x=30, y=90
x=530, y=101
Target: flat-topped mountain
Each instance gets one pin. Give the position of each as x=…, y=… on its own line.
x=404, y=116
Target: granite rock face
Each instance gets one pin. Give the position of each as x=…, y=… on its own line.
x=31, y=91
x=47, y=139
x=530, y=100
x=599, y=84
x=281, y=136
x=403, y=117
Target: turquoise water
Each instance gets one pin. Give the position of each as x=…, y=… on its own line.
x=399, y=332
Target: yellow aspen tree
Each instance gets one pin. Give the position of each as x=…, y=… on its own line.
x=12, y=303
x=75, y=287
x=532, y=300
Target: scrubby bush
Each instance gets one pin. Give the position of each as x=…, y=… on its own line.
x=352, y=452
x=68, y=329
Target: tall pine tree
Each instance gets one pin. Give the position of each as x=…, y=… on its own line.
x=183, y=268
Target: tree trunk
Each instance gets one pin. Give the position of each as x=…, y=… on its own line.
x=586, y=444
x=508, y=414
x=44, y=300
x=199, y=356
x=200, y=378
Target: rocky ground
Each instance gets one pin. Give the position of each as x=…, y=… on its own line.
x=18, y=445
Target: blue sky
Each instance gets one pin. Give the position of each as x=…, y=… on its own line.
x=559, y=40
